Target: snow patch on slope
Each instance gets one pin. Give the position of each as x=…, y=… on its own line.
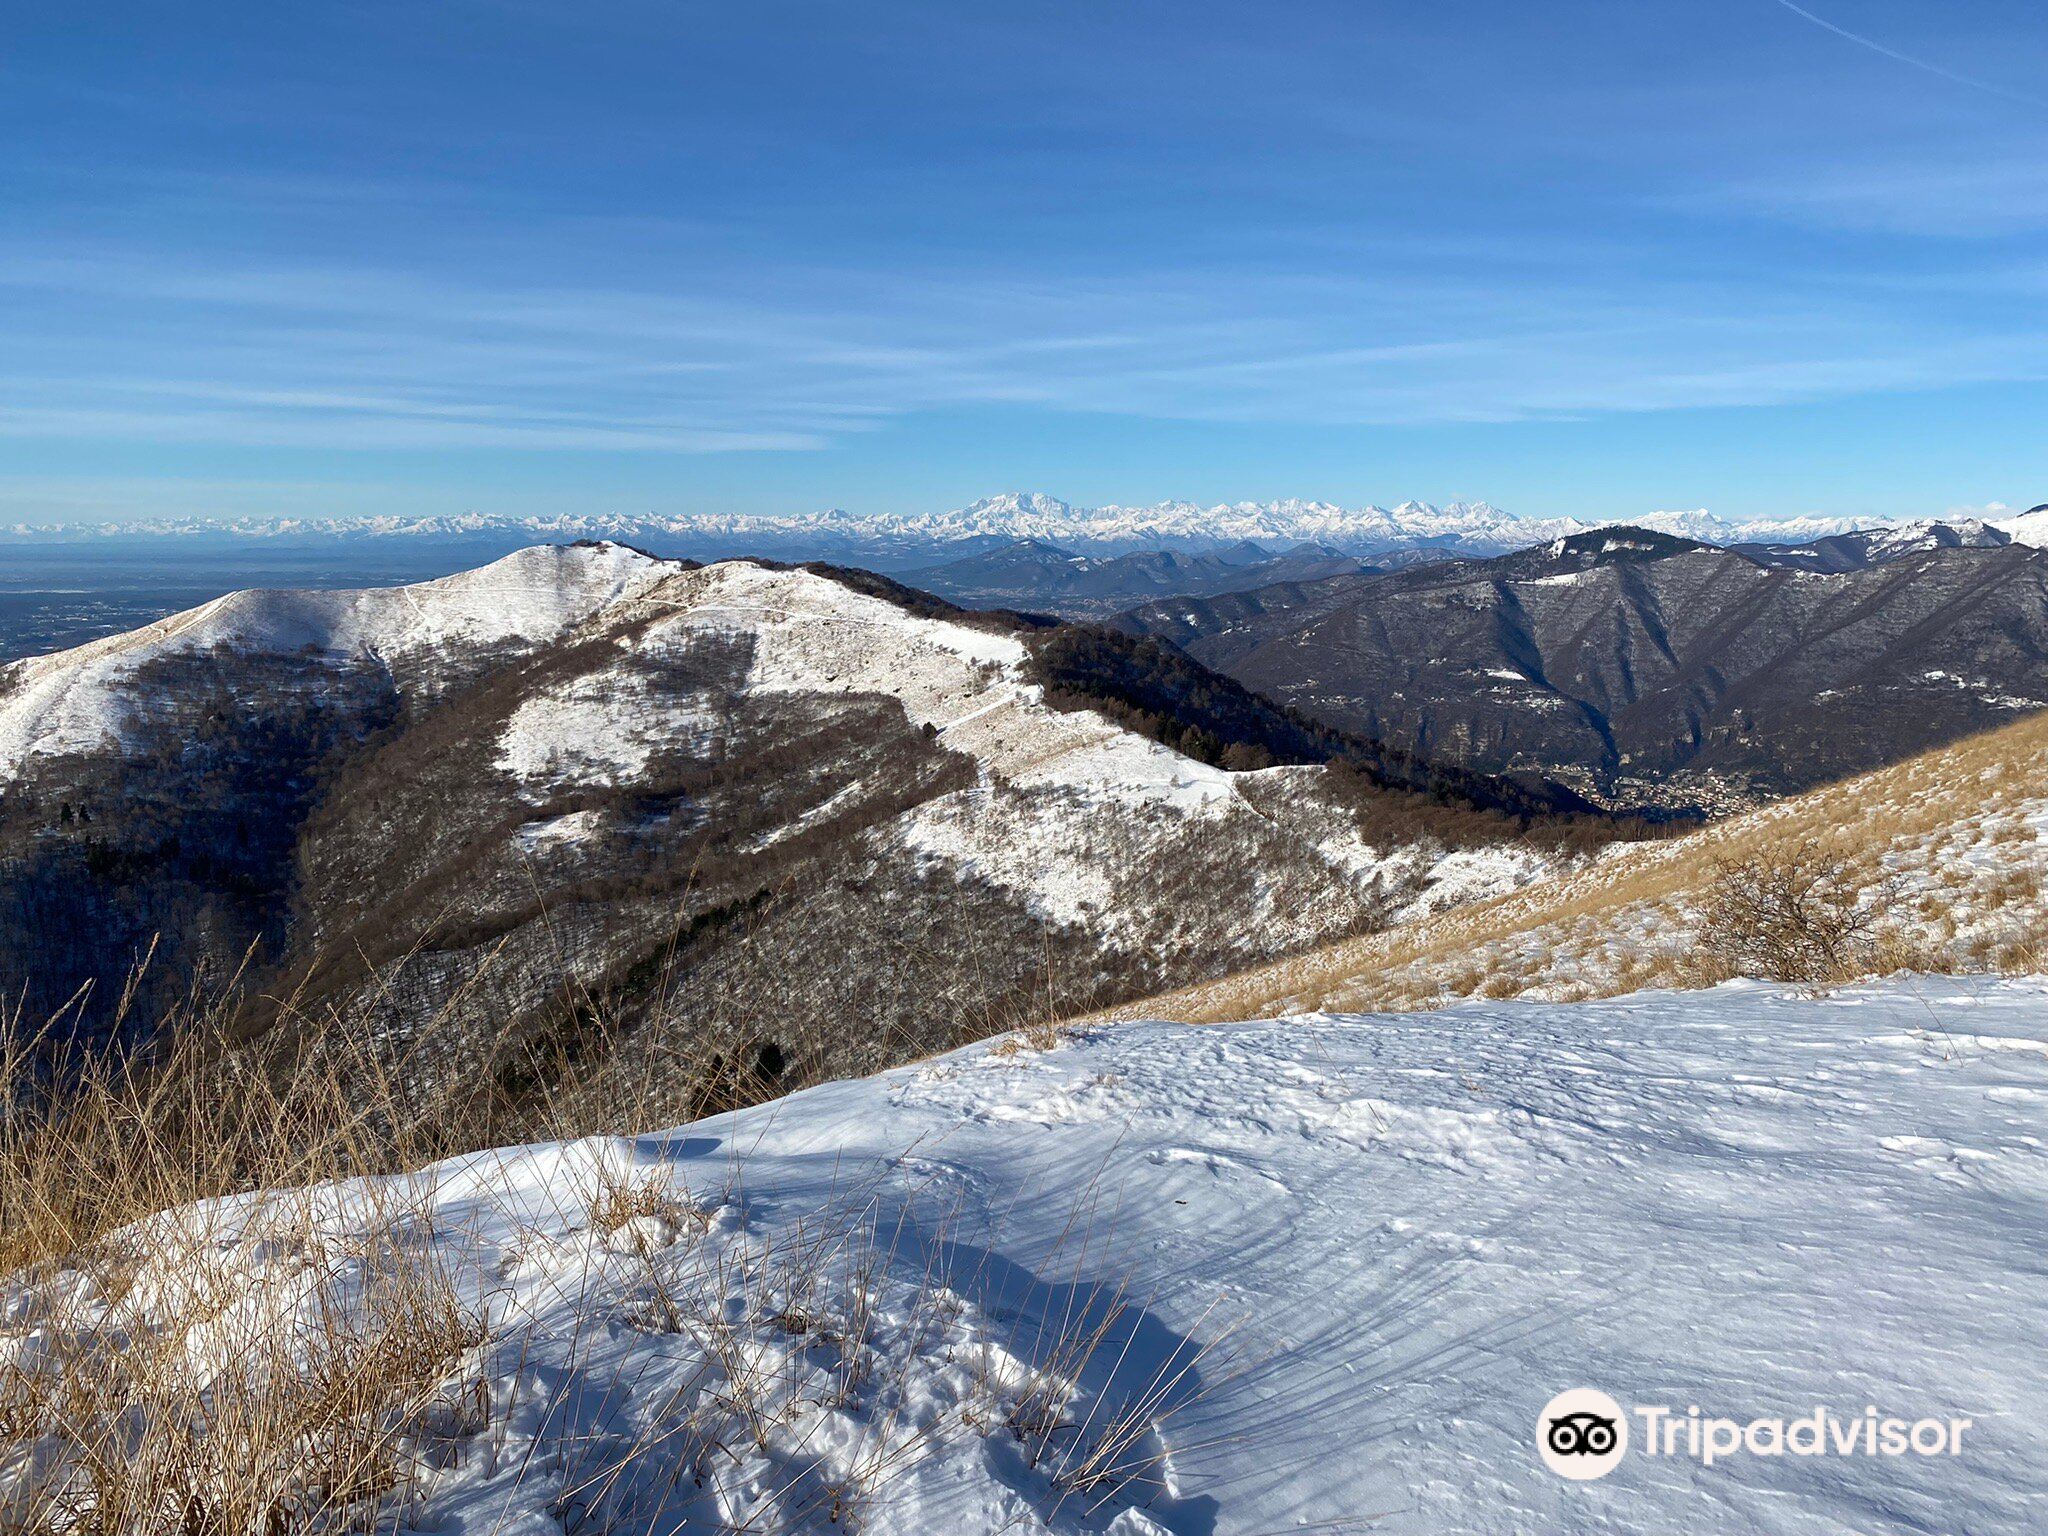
x=604, y=729
x=2027, y=528
x=1068, y=805
x=807, y=633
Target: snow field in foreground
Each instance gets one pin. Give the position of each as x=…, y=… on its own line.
x=974, y=1294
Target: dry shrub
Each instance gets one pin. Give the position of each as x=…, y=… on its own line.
x=651, y=1208
x=2012, y=887
x=2020, y=953
x=1893, y=950
x=1034, y=1017
x=99, y=1131
x=1796, y=913
x=196, y=1402
x=94, y=1137
x=212, y=1410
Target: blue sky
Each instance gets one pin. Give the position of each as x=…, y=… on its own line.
x=531, y=256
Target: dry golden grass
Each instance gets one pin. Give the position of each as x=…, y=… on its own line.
x=166, y=1396
x=1039, y=1035
x=114, y=1165
x=620, y=1198
x=194, y=1343
x=1956, y=833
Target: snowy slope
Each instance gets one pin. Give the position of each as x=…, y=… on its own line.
x=806, y=633
x=1911, y=538
x=1068, y=807
x=1877, y=546
x=1419, y=1227
x=2027, y=528
x=1948, y=850
x=76, y=700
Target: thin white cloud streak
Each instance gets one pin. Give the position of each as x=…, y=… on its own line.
x=88, y=498
x=1950, y=75
x=379, y=433
x=1987, y=198
x=337, y=358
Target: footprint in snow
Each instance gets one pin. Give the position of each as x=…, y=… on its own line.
x=1938, y=1157
x=1221, y=1165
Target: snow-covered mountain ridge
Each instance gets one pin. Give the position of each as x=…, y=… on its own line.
x=1475, y=527
x=403, y=790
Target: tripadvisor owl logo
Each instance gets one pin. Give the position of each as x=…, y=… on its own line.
x=1582, y=1434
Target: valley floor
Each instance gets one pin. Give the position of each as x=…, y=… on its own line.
x=1407, y=1231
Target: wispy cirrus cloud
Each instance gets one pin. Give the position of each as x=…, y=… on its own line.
x=343, y=356
x=376, y=431
x=1937, y=199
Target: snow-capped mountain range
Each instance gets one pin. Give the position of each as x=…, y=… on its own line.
x=1468, y=527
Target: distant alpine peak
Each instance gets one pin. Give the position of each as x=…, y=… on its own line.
x=1476, y=527
x=1290, y=521
x=1016, y=504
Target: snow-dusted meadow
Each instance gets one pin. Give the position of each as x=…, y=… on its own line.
x=1236, y=1278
